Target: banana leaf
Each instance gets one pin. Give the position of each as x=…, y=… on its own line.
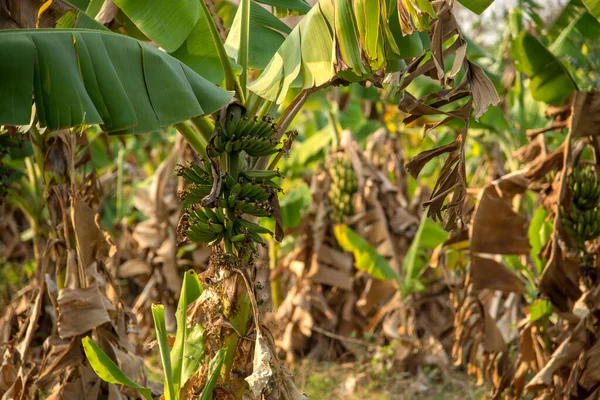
x=166, y=22
x=477, y=6
x=335, y=39
x=550, y=80
x=297, y=5
x=266, y=35
x=91, y=77
x=593, y=7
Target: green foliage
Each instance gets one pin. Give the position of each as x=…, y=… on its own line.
x=365, y=256
x=188, y=347
x=107, y=370
x=266, y=35
x=539, y=232
x=540, y=309
x=477, y=6
x=180, y=362
x=158, y=314
x=292, y=205
x=593, y=6
x=428, y=236
x=200, y=54
x=214, y=369
x=313, y=60
x=93, y=77
x=166, y=22
x=550, y=82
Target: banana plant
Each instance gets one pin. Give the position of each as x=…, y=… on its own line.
x=86, y=75
x=180, y=362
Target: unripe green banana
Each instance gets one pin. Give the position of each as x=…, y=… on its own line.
x=343, y=185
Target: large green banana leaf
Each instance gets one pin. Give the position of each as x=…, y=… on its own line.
x=194, y=46
x=167, y=22
x=336, y=38
x=550, y=81
x=182, y=29
x=92, y=77
x=266, y=35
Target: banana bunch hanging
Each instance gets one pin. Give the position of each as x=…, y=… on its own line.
x=584, y=187
x=344, y=184
x=252, y=135
x=244, y=193
x=583, y=221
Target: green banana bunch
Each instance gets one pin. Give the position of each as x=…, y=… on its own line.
x=344, y=184
x=584, y=187
x=254, y=136
x=582, y=225
x=250, y=194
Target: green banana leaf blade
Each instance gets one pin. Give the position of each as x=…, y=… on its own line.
x=90, y=77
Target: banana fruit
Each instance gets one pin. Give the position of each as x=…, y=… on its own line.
x=582, y=225
x=254, y=136
x=584, y=188
x=582, y=221
x=249, y=192
x=344, y=184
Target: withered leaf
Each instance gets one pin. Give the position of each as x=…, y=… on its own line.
x=585, y=115
x=496, y=228
x=488, y=273
x=80, y=310
x=91, y=242
x=493, y=341
x=568, y=351
x=560, y=281
x=415, y=165
x=484, y=92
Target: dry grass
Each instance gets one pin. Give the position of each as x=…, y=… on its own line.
x=354, y=381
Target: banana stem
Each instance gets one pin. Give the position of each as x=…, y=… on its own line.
x=231, y=82
x=192, y=137
x=275, y=287
x=233, y=164
x=253, y=103
x=120, y=178
x=244, y=43
x=204, y=126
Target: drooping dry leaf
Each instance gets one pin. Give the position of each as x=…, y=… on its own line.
x=590, y=376
x=585, y=116
x=560, y=281
x=543, y=165
x=488, y=273
x=323, y=274
x=415, y=165
x=211, y=198
x=444, y=27
x=484, y=92
x=493, y=341
x=91, y=242
x=496, y=228
x=80, y=310
x=134, y=267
